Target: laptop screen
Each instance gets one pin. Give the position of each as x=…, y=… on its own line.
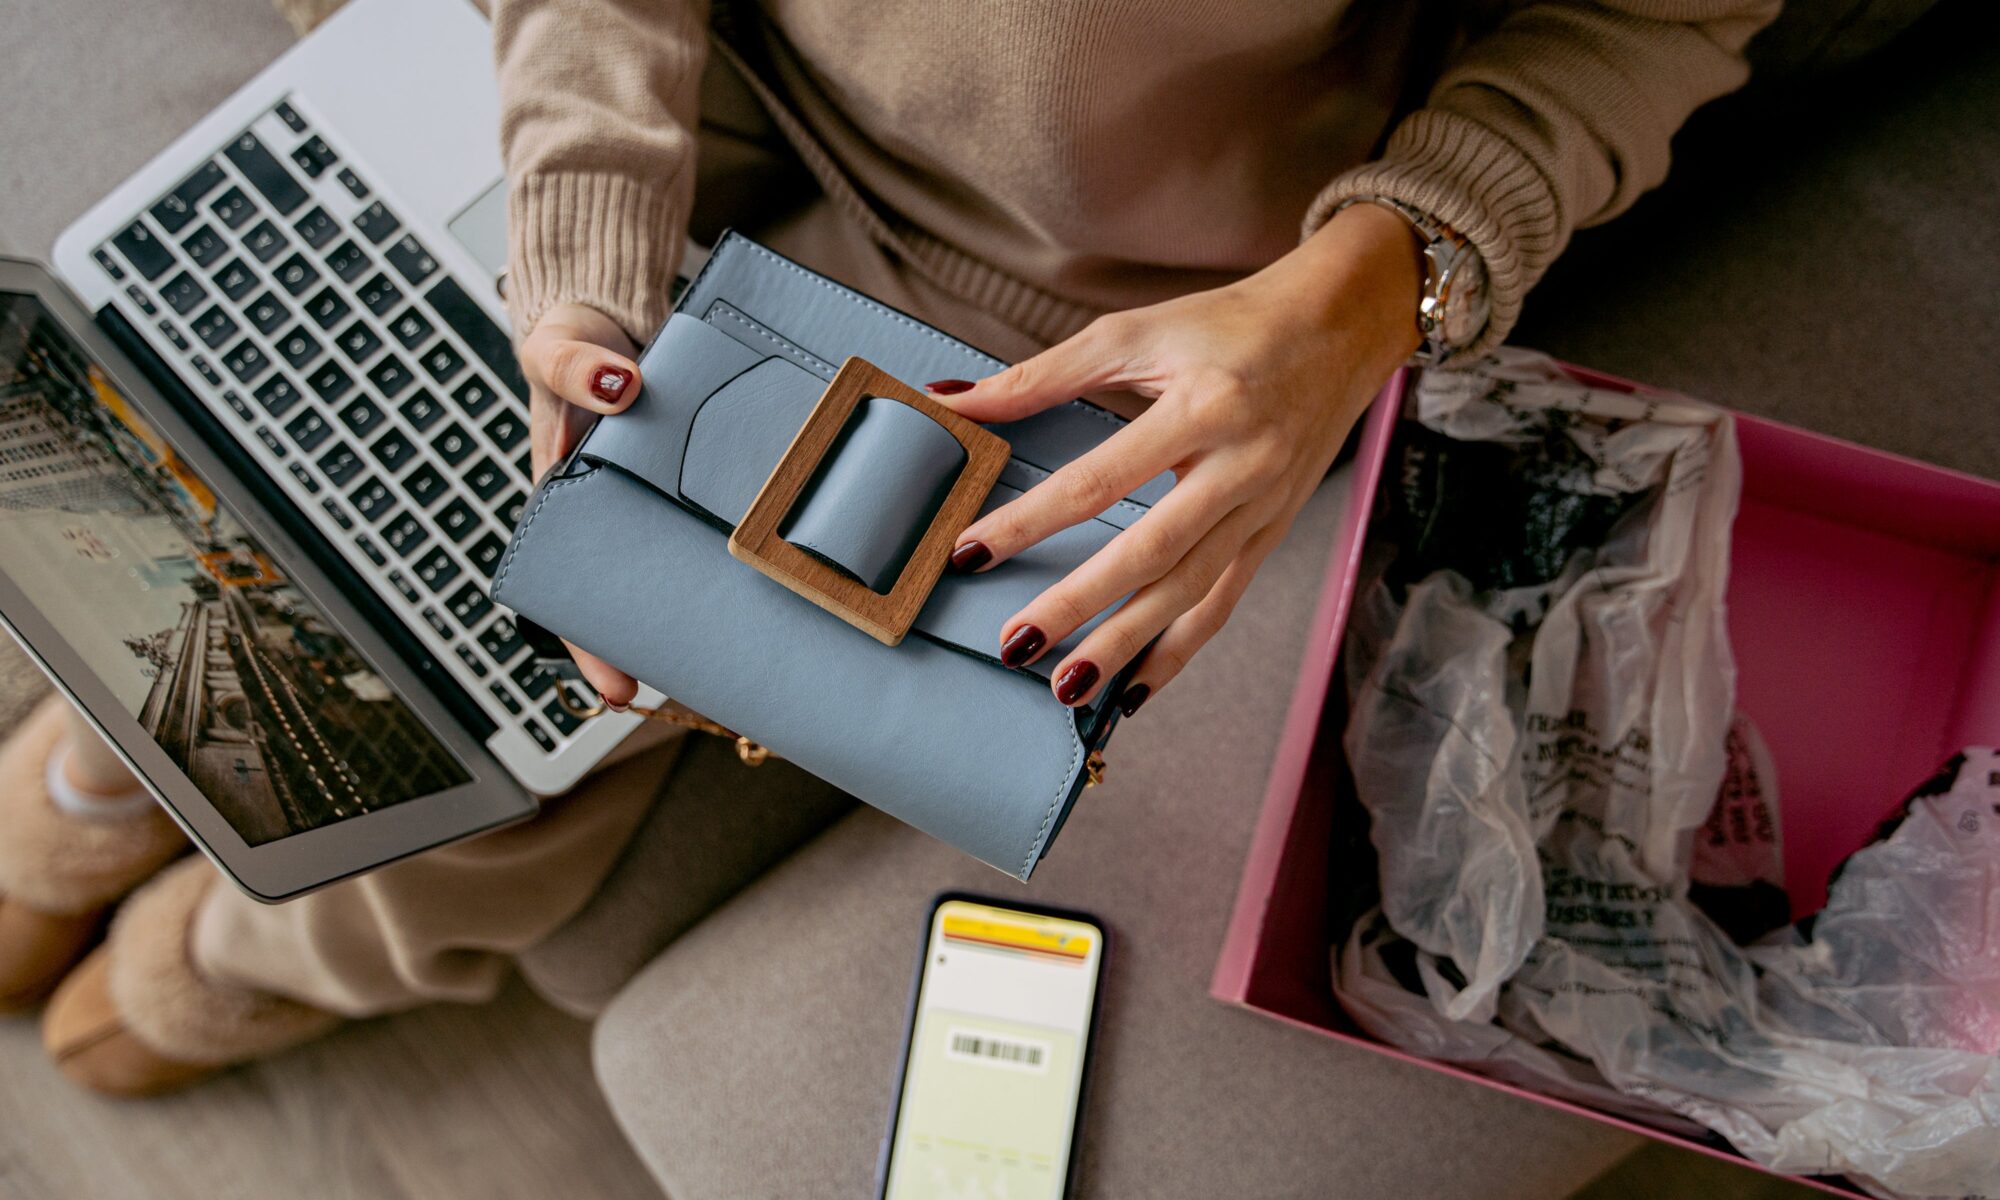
x=121, y=546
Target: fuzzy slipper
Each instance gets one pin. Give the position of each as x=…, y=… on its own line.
x=137, y=1018
x=59, y=864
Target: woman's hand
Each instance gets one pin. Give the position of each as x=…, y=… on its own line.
x=1253, y=386
x=579, y=364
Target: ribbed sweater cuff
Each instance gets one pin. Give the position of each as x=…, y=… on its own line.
x=606, y=241
x=1471, y=178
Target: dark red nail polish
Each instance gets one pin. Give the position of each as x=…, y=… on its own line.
x=1021, y=645
x=970, y=557
x=1078, y=679
x=948, y=387
x=609, y=383
x=1134, y=696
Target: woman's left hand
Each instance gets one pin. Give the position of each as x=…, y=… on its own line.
x=1253, y=386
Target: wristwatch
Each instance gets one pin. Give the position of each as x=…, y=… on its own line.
x=1455, y=307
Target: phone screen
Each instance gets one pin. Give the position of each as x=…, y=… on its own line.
x=996, y=1055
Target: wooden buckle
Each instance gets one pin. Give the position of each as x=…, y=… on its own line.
x=884, y=616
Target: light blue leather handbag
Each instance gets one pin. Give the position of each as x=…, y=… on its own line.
x=777, y=543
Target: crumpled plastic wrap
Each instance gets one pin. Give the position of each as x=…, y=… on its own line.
x=1540, y=690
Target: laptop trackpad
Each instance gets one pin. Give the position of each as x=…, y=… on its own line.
x=481, y=227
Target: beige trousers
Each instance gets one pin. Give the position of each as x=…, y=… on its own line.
x=446, y=925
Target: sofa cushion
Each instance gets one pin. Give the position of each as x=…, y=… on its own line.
x=755, y=1057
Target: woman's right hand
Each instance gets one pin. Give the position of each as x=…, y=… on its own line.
x=579, y=364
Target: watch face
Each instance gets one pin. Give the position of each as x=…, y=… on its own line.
x=1463, y=304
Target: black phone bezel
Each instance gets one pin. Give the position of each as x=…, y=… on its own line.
x=888, y=1145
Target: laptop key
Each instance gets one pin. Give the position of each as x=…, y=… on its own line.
x=334, y=510
x=425, y=485
x=422, y=410
x=501, y=642
x=175, y=209
x=472, y=661
x=206, y=370
x=486, y=554
x=143, y=250
x=358, y=342
x=543, y=737
x=369, y=548
x=247, y=361
x=139, y=297
x=478, y=331
x=469, y=605
x=173, y=336
x=507, y=430
x=453, y=445
x=267, y=312
x=475, y=396
x=405, y=535
x=511, y=508
x=391, y=376
x=232, y=208
x=348, y=261
x=563, y=719
x=235, y=280
x=532, y=679
x=372, y=499
x=524, y=465
x=295, y=274
x=394, y=450
x=214, y=327
x=299, y=348
x=437, y=569
x=340, y=465
x=458, y=520
x=314, y=156
x=443, y=363
x=436, y=621
x=266, y=173
x=271, y=441
x=278, y=396
x=108, y=264
x=309, y=429
x=380, y=295
x=327, y=307
x=376, y=223
x=205, y=247
x=411, y=260
x=290, y=116
x=264, y=241
x=317, y=228
x=505, y=697
x=329, y=382
x=361, y=416
x=182, y=293
x=404, y=586
x=411, y=328
x=485, y=478
x=352, y=182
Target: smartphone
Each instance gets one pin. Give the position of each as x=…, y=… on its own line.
x=1003, y=1017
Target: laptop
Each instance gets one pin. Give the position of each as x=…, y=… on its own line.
x=263, y=441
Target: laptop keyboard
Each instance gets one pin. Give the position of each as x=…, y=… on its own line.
x=375, y=391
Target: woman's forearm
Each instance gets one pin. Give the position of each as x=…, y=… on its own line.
x=599, y=105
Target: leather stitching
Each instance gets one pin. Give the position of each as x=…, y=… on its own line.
x=811, y=362
x=521, y=534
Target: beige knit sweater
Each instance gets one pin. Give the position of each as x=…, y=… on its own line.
x=1050, y=159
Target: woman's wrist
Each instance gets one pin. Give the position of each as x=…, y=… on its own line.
x=1358, y=278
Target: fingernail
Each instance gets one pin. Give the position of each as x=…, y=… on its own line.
x=948, y=387
x=612, y=705
x=609, y=384
x=1021, y=645
x=1134, y=696
x=1076, y=679
x=970, y=557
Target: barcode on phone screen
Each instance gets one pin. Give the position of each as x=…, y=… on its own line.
x=997, y=1051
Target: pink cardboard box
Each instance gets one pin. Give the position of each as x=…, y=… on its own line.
x=1864, y=606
